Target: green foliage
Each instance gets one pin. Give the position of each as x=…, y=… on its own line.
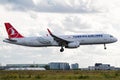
x=60, y=75
x=37, y=77
x=83, y=77
x=112, y=75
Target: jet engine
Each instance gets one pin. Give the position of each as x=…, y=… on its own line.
x=73, y=45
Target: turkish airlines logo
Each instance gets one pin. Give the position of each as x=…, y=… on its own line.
x=12, y=33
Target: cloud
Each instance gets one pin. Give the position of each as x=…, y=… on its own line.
x=66, y=6
x=77, y=6
x=76, y=23
x=17, y=4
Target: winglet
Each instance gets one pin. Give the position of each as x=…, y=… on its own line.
x=49, y=31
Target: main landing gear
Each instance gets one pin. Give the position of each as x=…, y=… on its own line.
x=62, y=49
x=105, y=46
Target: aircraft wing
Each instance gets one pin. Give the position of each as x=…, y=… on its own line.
x=62, y=42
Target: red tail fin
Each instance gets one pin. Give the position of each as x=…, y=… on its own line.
x=12, y=32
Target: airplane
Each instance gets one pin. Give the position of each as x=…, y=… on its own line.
x=67, y=41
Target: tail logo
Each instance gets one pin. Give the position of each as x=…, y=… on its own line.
x=11, y=31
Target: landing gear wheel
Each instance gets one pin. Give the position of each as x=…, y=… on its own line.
x=105, y=46
x=62, y=49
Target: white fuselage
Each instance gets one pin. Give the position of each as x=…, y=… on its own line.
x=44, y=41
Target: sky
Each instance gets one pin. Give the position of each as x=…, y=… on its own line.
x=33, y=17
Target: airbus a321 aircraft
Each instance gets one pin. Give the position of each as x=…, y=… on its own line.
x=67, y=41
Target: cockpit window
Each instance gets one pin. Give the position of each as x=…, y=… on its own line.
x=111, y=36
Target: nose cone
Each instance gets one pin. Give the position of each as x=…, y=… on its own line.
x=115, y=40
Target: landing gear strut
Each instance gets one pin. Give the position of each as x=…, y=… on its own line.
x=105, y=46
x=62, y=49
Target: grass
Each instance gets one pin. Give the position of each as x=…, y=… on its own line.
x=59, y=75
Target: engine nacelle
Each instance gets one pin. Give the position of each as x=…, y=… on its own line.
x=73, y=45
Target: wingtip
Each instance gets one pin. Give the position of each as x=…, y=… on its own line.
x=49, y=31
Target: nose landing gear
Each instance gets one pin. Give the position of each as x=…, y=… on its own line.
x=62, y=49
x=105, y=46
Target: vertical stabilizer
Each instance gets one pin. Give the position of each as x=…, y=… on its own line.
x=12, y=32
